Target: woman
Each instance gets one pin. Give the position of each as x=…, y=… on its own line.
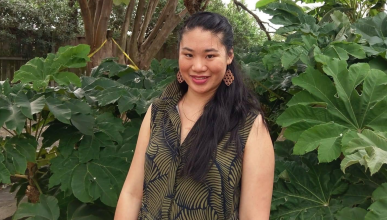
x=198, y=135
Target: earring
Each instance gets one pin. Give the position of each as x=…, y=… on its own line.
x=228, y=77
x=179, y=77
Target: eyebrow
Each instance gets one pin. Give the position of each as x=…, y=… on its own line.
x=206, y=50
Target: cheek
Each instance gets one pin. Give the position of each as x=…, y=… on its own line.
x=218, y=68
x=184, y=65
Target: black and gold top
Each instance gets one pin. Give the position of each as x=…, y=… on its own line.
x=170, y=195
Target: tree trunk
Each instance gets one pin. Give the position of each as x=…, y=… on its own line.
x=143, y=46
x=95, y=15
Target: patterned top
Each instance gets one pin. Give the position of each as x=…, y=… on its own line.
x=170, y=195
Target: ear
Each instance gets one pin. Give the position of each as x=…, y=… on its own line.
x=230, y=56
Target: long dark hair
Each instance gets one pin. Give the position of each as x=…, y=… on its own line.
x=225, y=112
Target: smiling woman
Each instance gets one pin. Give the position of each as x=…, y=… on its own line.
x=198, y=135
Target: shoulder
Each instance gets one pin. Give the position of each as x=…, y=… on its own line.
x=259, y=140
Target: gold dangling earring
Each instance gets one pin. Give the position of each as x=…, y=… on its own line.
x=179, y=77
x=228, y=77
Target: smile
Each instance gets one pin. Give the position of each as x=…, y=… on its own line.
x=200, y=79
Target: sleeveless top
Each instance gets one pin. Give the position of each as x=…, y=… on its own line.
x=167, y=194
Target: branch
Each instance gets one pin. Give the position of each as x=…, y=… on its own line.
x=171, y=6
x=92, y=7
x=268, y=24
x=163, y=34
x=87, y=21
x=8, y=131
x=97, y=17
x=125, y=27
x=205, y=5
x=150, y=10
x=100, y=33
x=136, y=29
x=259, y=21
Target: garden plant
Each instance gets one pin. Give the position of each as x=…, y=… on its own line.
x=323, y=89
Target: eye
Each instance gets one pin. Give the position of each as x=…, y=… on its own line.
x=210, y=56
x=188, y=55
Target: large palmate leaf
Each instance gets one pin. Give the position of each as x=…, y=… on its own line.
x=101, y=178
x=17, y=152
x=369, y=149
x=81, y=211
x=326, y=110
x=46, y=209
x=307, y=192
x=373, y=29
x=378, y=209
x=351, y=214
x=40, y=71
x=5, y=109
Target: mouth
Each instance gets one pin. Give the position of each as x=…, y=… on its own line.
x=199, y=79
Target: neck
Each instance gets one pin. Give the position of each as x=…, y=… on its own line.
x=197, y=99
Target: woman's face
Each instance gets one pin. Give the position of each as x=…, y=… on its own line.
x=203, y=60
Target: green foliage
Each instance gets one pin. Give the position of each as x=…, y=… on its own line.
x=325, y=86
x=89, y=127
x=40, y=71
x=246, y=31
x=47, y=208
x=33, y=28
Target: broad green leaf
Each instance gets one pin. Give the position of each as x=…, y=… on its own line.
x=81, y=211
x=29, y=108
x=78, y=106
x=89, y=183
x=66, y=78
x=306, y=194
x=369, y=149
x=5, y=110
x=304, y=98
x=373, y=29
x=4, y=173
x=357, y=194
x=40, y=71
x=302, y=113
x=25, y=144
x=88, y=149
x=34, y=72
x=378, y=209
x=62, y=169
x=59, y=110
x=291, y=56
x=110, y=95
x=335, y=52
x=111, y=126
x=126, y=103
x=262, y=3
x=16, y=120
x=73, y=56
x=80, y=183
x=108, y=67
x=351, y=214
x=67, y=143
x=84, y=123
x=46, y=209
x=351, y=48
x=325, y=137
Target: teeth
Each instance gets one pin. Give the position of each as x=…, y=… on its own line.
x=200, y=77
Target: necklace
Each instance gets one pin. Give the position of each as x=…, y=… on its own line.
x=182, y=109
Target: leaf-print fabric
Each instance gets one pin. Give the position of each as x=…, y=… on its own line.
x=170, y=195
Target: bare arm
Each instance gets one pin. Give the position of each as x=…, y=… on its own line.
x=257, y=174
x=129, y=202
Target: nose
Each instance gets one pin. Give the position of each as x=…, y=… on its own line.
x=199, y=65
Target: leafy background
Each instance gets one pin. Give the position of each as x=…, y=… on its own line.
x=323, y=90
